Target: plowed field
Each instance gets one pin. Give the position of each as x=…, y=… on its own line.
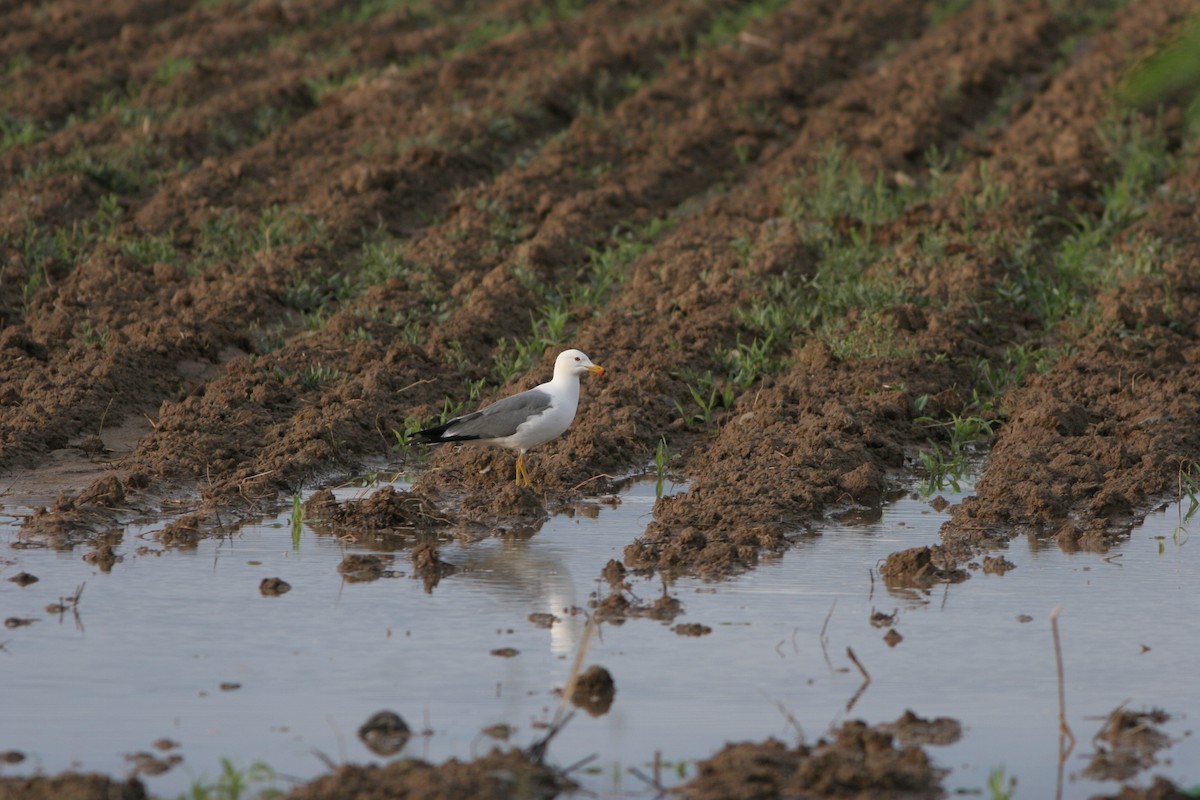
x=249, y=246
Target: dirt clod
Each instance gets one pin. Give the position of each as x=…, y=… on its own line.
x=881, y=620
x=499, y=774
x=361, y=567
x=997, y=565
x=385, y=733
x=857, y=761
x=918, y=567
x=145, y=763
x=428, y=566
x=273, y=587
x=1159, y=789
x=594, y=691
x=911, y=729
x=77, y=786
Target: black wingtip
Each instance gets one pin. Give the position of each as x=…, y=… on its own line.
x=430, y=435
x=437, y=435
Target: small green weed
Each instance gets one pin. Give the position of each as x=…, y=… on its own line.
x=297, y=521
x=948, y=464
x=17, y=64
x=1061, y=282
x=454, y=355
x=321, y=86
x=120, y=169
x=942, y=10
x=380, y=260
x=404, y=443
x=709, y=395
x=608, y=267
x=1172, y=71
x=515, y=357
x=450, y=410
x=843, y=299
x=17, y=132
x=1189, y=487
x=228, y=237
x=173, y=67
x=235, y=784
x=314, y=290
x=728, y=24
x=993, y=377
x=91, y=334
x=150, y=249
x=366, y=10
x=746, y=362
x=315, y=375
x=662, y=457
x=1000, y=788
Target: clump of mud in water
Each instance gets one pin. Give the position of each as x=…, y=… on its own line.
x=429, y=567
x=362, y=567
x=504, y=508
x=183, y=533
x=594, y=691
x=690, y=550
x=920, y=567
x=911, y=729
x=617, y=607
x=274, y=587
x=614, y=573
x=71, y=784
x=1126, y=744
x=860, y=761
x=385, y=733
x=385, y=510
x=1160, y=789
x=498, y=774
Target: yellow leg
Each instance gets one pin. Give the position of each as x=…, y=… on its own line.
x=522, y=475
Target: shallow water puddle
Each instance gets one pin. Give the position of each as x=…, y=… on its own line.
x=184, y=646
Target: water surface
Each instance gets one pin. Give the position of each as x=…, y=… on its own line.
x=157, y=638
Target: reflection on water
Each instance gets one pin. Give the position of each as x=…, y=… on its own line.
x=157, y=639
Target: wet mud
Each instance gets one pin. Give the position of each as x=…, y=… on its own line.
x=499, y=774
x=856, y=761
x=246, y=247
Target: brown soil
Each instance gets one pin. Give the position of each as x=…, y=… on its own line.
x=498, y=167
x=500, y=774
x=74, y=785
x=188, y=319
x=594, y=691
x=1159, y=789
x=858, y=761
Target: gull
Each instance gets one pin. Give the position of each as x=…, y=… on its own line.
x=523, y=420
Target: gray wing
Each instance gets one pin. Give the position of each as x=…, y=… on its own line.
x=500, y=419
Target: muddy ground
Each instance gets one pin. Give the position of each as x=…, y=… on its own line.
x=243, y=244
